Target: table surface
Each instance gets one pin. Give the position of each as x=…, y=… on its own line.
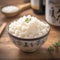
x=9, y=51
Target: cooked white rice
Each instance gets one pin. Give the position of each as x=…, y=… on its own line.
x=10, y=9
x=28, y=27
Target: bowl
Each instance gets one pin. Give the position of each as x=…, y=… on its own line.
x=28, y=44
x=10, y=14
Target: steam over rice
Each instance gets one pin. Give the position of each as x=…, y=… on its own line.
x=28, y=27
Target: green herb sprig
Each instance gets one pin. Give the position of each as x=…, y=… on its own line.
x=57, y=44
x=28, y=20
x=51, y=48
x=54, y=46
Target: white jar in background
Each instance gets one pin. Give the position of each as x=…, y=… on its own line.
x=53, y=12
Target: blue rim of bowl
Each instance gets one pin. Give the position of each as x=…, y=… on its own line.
x=28, y=39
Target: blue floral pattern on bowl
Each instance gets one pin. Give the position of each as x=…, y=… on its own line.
x=29, y=46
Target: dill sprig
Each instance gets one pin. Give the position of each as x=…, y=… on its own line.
x=51, y=48
x=54, y=46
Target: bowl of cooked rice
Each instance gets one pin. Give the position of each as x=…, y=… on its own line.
x=28, y=33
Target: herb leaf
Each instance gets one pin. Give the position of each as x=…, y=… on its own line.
x=27, y=20
x=57, y=44
x=51, y=48
x=54, y=46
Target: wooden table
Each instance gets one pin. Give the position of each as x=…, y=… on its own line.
x=8, y=51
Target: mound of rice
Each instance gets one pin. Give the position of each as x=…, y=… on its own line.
x=28, y=27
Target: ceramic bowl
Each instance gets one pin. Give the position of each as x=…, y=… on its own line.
x=10, y=14
x=28, y=45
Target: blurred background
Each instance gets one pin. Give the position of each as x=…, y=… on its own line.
x=4, y=2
